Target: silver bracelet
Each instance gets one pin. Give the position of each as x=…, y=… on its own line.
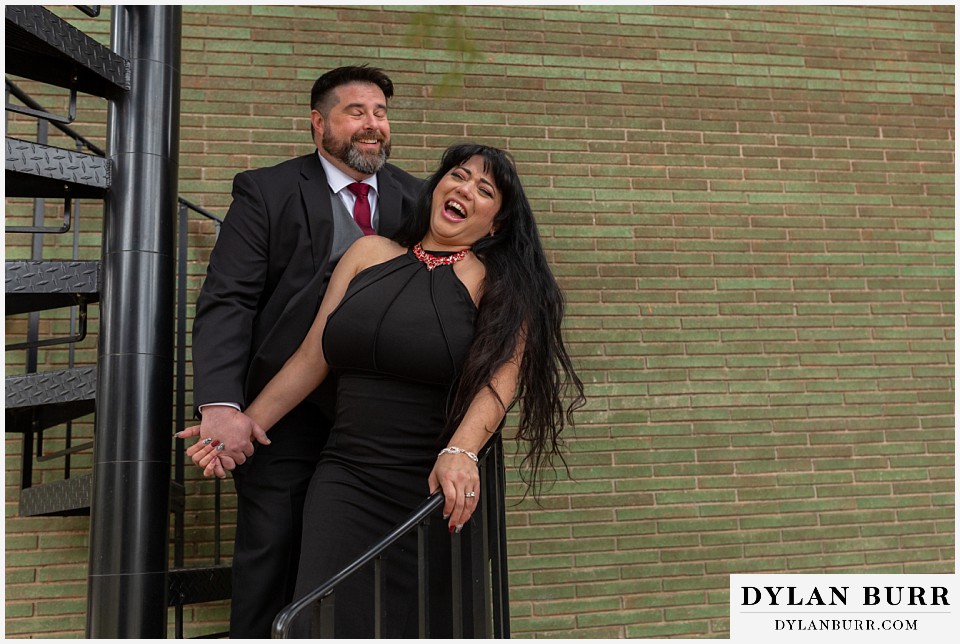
x=457, y=450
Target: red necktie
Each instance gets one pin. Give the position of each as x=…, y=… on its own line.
x=361, y=209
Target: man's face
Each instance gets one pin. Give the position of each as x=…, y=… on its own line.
x=355, y=135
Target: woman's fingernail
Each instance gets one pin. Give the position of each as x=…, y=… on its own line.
x=446, y=516
x=214, y=444
x=451, y=529
x=207, y=440
x=459, y=528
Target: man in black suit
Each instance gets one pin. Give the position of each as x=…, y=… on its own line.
x=283, y=234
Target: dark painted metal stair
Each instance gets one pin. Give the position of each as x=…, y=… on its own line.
x=63, y=498
x=49, y=284
x=197, y=585
x=71, y=497
x=41, y=46
x=35, y=170
x=45, y=399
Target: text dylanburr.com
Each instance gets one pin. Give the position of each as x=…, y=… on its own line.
x=844, y=608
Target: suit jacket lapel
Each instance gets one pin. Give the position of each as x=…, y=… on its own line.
x=315, y=192
x=390, y=201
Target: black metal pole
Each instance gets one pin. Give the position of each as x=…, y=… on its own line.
x=129, y=512
x=181, y=398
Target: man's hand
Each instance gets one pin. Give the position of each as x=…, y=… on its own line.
x=226, y=439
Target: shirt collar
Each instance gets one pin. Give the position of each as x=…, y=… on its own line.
x=338, y=179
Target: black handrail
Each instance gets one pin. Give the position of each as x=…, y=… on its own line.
x=25, y=98
x=71, y=212
x=281, y=625
x=492, y=596
x=200, y=210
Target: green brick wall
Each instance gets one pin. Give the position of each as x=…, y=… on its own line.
x=751, y=211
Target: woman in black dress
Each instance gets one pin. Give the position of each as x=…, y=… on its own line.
x=434, y=336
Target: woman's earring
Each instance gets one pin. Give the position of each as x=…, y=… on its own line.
x=491, y=232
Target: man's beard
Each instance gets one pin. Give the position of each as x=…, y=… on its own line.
x=348, y=152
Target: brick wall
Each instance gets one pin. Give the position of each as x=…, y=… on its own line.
x=751, y=212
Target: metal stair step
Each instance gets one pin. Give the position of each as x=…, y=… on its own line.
x=49, y=398
x=44, y=47
x=36, y=170
x=70, y=497
x=178, y=497
x=197, y=585
x=67, y=497
x=50, y=284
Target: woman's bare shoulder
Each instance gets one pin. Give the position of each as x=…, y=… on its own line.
x=472, y=272
x=370, y=250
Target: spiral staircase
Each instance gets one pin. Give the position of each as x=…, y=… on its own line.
x=41, y=47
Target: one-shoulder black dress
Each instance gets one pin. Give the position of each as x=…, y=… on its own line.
x=395, y=341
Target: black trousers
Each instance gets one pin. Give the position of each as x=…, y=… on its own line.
x=271, y=487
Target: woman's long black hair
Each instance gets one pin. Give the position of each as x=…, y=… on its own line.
x=519, y=296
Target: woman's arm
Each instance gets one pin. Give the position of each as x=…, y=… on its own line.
x=307, y=367
x=456, y=473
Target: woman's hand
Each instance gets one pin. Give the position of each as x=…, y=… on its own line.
x=459, y=477
x=203, y=450
x=223, y=428
x=456, y=470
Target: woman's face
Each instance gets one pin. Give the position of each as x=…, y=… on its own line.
x=463, y=207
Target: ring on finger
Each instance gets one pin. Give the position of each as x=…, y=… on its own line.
x=469, y=495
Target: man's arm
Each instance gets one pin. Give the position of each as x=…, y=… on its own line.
x=223, y=326
x=305, y=369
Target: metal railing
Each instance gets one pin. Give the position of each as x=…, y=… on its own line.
x=38, y=111
x=479, y=590
x=183, y=220
x=77, y=321
x=33, y=445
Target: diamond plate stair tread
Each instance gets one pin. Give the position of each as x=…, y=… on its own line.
x=37, y=418
x=36, y=170
x=46, y=399
x=41, y=285
x=43, y=47
x=197, y=585
x=67, y=497
x=51, y=387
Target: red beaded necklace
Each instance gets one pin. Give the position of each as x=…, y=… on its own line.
x=432, y=261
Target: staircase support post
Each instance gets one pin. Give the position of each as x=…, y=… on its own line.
x=130, y=508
